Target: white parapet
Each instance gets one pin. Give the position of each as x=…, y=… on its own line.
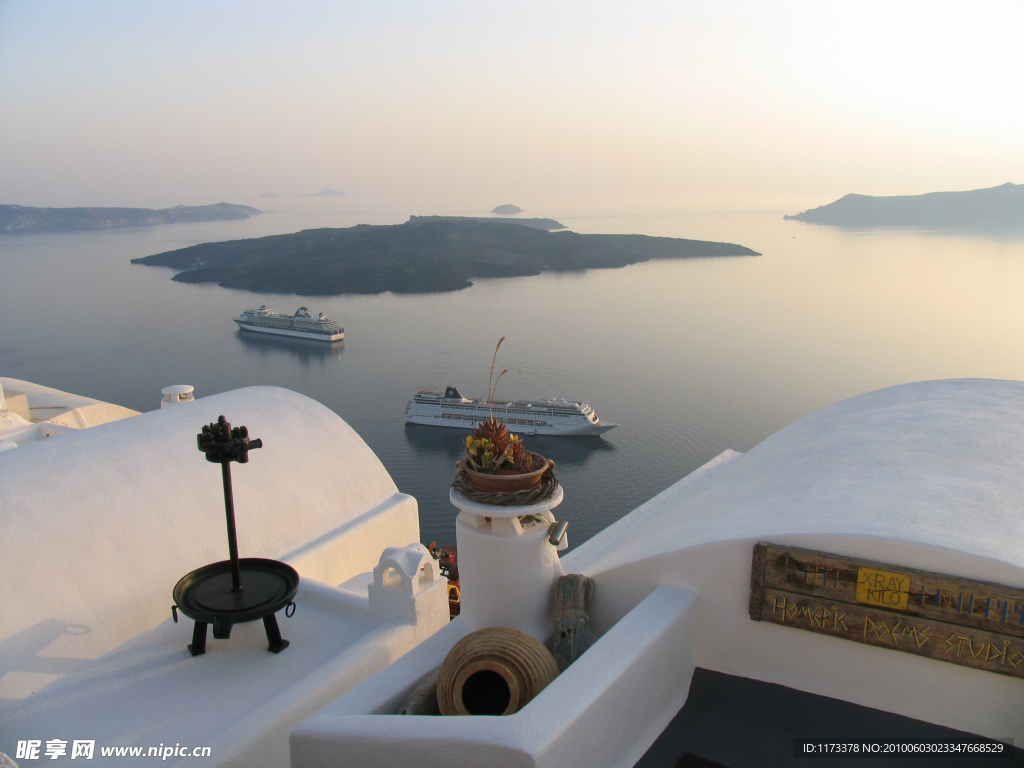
x=39, y=405
x=408, y=584
x=507, y=566
x=606, y=709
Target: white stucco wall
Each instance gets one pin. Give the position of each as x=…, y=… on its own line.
x=927, y=475
x=90, y=555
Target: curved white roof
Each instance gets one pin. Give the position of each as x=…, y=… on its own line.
x=97, y=526
x=937, y=463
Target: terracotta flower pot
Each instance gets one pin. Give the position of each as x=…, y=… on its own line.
x=507, y=483
x=493, y=671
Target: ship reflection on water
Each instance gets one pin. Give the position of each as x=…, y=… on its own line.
x=303, y=350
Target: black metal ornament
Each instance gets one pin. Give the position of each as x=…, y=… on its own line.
x=233, y=591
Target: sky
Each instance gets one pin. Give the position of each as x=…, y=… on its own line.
x=626, y=105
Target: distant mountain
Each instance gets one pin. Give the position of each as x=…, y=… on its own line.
x=326, y=192
x=996, y=206
x=547, y=225
x=268, y=194
x=19, y=218
x=507, y=210
x=427, y=254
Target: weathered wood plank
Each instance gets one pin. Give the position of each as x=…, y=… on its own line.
x=757, y=567
x=945, y=641
x=909, y=591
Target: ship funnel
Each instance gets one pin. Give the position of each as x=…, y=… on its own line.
x=177, y=393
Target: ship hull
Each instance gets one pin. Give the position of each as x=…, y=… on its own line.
x=286, y=332
x=466, y=422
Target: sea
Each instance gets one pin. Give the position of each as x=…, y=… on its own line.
x=690, y=357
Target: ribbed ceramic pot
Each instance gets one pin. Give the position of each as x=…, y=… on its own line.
x=507, y=483
x=493, y=671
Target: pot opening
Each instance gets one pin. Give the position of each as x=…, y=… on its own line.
x=485, y=693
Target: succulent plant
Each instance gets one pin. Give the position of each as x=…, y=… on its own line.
x=522, y=459
x=492, y=448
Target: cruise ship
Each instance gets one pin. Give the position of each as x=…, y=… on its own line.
x=301, y=324
x=535, y=417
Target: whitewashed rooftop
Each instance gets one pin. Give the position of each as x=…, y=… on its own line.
x=87, y=646
x=927, y=476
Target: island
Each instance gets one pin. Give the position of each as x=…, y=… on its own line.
x=268, y=194
x=548, y=225
x=1000, y=206
x=427, y=254
x=326, y=192
x=20, y=218
x=507, y=210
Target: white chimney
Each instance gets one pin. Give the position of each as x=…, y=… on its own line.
x=508, y=567
x=178, y=393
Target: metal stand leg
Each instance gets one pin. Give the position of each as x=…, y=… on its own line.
x=274, y=634
x=221, y=629
x=198, y=646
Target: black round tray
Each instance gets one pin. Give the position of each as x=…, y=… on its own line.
x=205, y=594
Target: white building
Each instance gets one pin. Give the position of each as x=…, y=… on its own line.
x=30, y=412
x=925, y=477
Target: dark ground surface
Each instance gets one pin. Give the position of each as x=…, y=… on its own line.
x=735, y=722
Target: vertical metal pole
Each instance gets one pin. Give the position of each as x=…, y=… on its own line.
x=229, y=509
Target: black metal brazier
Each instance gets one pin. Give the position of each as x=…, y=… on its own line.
x=237, y=590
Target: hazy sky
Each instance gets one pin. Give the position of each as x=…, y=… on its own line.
x=717, y=104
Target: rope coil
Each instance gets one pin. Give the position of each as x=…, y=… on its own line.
x=543, y=492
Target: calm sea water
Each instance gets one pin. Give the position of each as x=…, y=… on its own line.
x=690, y=357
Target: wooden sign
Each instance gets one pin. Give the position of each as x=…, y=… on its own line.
x=973, y=623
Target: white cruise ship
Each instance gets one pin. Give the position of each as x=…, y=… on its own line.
x=535, y=417
x=301, y=324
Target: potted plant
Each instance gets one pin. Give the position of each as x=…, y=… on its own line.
x=496, y=460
